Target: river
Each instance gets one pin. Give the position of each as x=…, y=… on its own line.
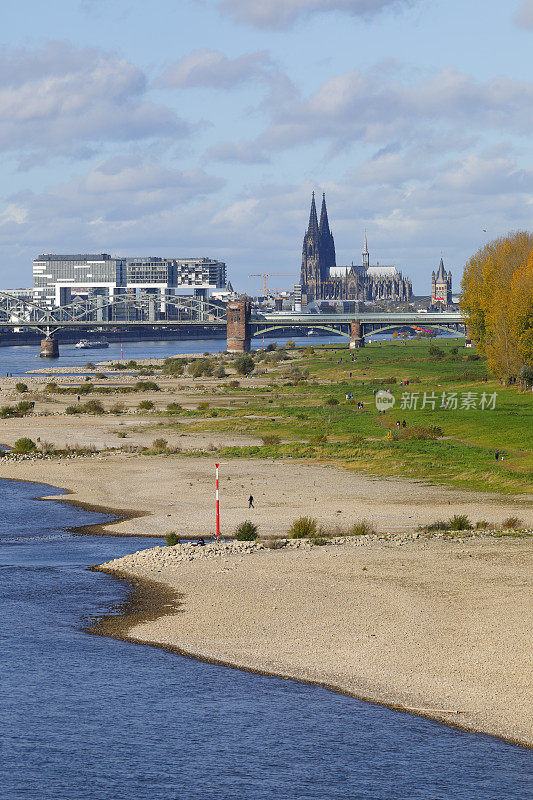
x=90, y=718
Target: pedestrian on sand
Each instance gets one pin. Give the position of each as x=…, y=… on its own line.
x=251, y=502
x=497, y=455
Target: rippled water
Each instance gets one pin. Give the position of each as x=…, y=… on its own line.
x=18, y=359
x=89, y=718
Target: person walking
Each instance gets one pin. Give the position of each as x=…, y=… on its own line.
x=497, y=455
x=251, y=502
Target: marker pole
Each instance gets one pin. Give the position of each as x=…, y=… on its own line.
x=217, y=534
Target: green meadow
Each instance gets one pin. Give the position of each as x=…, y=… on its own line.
x=298, y=409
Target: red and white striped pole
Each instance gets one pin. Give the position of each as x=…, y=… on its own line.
x=217, y=534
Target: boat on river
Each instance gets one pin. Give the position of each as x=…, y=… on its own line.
x=88, y=344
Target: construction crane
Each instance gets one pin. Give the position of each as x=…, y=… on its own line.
x=266, y=275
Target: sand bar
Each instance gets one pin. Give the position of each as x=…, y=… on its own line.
x=430, y=624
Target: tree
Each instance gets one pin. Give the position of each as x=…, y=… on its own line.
x=489, y=302
x=522, y=304
x=244, y=364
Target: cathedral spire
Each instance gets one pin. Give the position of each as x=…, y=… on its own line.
x=440, y=273
x=313, y=221
x=324, y=222
x=366, y=255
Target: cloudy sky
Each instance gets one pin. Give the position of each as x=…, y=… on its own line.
x=200, y=127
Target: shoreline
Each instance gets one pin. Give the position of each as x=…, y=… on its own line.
x=174, y=625
x=158, y=599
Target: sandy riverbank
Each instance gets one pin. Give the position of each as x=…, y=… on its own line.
x=176, y=493
x=438, y=625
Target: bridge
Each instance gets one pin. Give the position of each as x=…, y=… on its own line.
x=175, y=311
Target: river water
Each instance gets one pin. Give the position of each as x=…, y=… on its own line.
x=20, y=358
x=90, y=718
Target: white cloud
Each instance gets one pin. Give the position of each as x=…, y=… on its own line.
x=277, y=14
x=524, y=15
x=369, y=107
x=213, y=69
x=238, y=152
x=59, y=99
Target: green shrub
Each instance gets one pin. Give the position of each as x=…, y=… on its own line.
x=93, y=407
x=24, y=445
x=459, y=522
x=174, y=408
x=146, y=386
x=24, y=406
x=89, y=365
x=51, y=387
x=201, y=366
x=160, y=445
x=246, y=531
x=122, y=434
x=234, y=384
x=21, y=387
x=171, y=539
x=303, y=528
x=440, y=525
x=220, y=372
x=331, y=401
x=117, y=408
x=145, y=405
x=244, y=364
x=436, y=352
x=362, y=528
x=270, y=439
x=100, y=376
x=74, y=410
x=174, y=366
x=202, y=406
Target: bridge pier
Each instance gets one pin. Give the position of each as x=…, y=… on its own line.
x=49, y=347
x=238, y=326
x=356, y=334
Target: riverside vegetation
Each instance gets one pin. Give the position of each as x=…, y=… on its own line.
x=292, y=403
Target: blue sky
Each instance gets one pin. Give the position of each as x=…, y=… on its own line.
x=201, y=127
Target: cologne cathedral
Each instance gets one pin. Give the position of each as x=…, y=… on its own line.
x=322, y=279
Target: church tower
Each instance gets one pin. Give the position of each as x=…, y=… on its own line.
x=327, y=245
x=318, y=253
x=441, y=286
x=366, y=255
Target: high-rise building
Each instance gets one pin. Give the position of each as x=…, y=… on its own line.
x=59, y=278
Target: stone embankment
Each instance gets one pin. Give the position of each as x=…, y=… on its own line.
x=162, y=556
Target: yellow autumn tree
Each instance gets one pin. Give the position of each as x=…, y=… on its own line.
x=489, y=301
x=522, y=304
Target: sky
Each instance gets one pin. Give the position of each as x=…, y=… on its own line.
x=183, y=128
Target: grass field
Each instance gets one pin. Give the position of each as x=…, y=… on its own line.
x=299, y=406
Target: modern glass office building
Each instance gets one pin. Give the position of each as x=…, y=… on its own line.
x=57, y=279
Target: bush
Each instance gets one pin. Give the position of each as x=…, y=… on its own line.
x=24, y=407
x=362, y=528
x=303, y=528
x=100, y=376
x=246, y=532
x=174, y=366
x=512, y=523
x=74, y=410
x=331, y=401
x=202, y=406
x=118, y=408
x=160, y=445
x=171, y=539
x=244, y=364
x=93, y=407
x=220, y=372
x=51, y=387
x=174, y=408
x=234, y=384
x=21, y=387
x=89, y=365
x=440, y=525
x=319, y=439
x=146, y=386
x=436, y=352
x=270, y=439
x=122, y=434
x=459, y=522
x=145, y=405
x=24, y=445
x=201, y=366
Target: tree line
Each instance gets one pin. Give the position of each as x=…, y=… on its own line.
x=497, y=301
